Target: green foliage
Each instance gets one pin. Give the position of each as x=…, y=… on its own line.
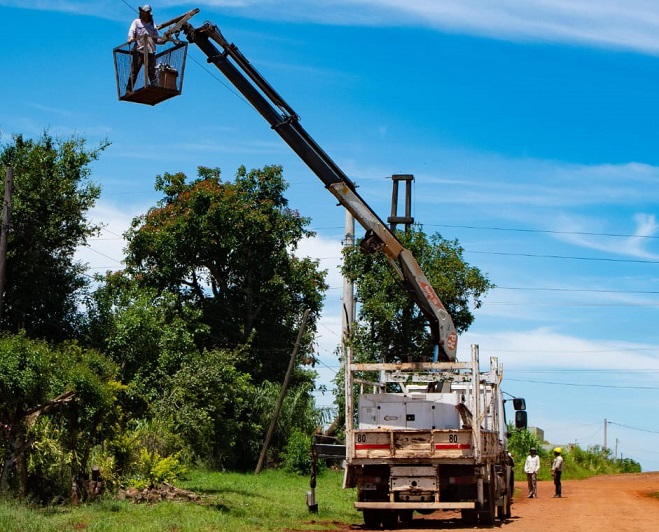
x=153, y=470
x=153, y=436
x=51, y=197
x=148, y=333
x=521, y=441
x=579, y=463
x=227, y=248
x=208, y=402
x=296, y=456
x=597, y=460
x=391, y=326
x=58, y=403
x=50, y=465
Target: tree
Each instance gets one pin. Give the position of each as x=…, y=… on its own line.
x=228, y=249
x=391, y=326
x=72, y=387
x=51, y=196
x=148, y=333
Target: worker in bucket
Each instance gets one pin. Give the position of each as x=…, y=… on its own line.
x=531, y=468
x=144, y=34
x=557, y=470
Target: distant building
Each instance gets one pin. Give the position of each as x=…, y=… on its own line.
x=538, y=432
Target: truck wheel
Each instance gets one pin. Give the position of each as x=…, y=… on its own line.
x=469, y=517
x=389, y=519
x=507, y=509
x=371, y=519
x=486, y=512
x=405, y=516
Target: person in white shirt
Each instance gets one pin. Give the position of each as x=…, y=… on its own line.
x=557, y=470
x=531, y=468
x=144, y=34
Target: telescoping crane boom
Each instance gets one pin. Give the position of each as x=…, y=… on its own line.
x=281, y=117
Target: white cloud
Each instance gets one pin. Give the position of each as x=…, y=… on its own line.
x=631, y=25
x=105, y=252
x=544, y=348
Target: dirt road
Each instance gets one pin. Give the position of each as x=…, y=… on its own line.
x=620, y=503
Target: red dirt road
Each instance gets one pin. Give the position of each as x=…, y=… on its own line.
x=620, y=503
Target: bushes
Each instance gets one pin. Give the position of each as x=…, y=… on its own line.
x=579, y=463
x=296, y=456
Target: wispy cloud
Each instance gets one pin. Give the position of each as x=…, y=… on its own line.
x=608, y=23
x=544, y=348
x=636, y=244
x=631, y=25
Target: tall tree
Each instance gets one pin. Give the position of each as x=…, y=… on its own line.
x=51, y=197
x=228, y=247
x=391, y=326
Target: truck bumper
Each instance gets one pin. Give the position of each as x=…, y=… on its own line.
x=372, y=505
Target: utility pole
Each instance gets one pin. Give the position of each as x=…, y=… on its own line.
x=282, y=394
x=347, y=319
x=616, y=453
x=605, y=423
x=9, y=183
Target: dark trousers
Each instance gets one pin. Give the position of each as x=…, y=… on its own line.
x=136, y=66
x=557, y=481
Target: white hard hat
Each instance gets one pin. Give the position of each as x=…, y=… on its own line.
x=146, y=8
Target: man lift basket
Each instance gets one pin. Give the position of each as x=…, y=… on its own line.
x=151, y=78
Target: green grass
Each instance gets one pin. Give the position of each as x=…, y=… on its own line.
x=270, y=501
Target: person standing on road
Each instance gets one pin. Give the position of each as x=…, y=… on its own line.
x=557, y=470
x=531, y=468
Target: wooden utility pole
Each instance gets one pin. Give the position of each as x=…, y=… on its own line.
x=6, y=210
x=282, y=393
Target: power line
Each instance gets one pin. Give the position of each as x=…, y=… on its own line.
x=564, y=257
x=582, y=385
x=546, y=231
x=589, y=290
x=632, y=428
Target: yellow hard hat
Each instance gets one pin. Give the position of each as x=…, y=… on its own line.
x=557, y=450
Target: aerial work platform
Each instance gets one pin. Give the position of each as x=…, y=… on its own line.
x=153, y=71
x=149, y=78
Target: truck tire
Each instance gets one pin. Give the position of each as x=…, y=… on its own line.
x=405, y=516
x=486, y=512
x=503, y=512
x=371, y=519
x=469, y=517
x=389, y=519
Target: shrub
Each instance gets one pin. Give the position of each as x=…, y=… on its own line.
x=296, y=456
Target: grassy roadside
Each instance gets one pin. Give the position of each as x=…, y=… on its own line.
x=270, y=501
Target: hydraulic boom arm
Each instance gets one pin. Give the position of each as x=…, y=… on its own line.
x=281, y=117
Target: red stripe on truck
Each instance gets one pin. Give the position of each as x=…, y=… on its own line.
x=453, y=446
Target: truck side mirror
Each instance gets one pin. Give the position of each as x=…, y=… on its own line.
x=519, y=403
x=521, y=420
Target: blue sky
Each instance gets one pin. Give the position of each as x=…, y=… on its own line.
x=530, y=127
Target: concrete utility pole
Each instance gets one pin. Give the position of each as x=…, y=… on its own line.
x=9, y=183
x=347, y=319
x=605, y=423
